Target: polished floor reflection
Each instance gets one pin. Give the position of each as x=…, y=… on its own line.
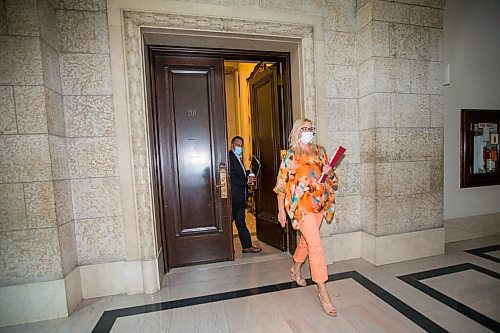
x=455, y=292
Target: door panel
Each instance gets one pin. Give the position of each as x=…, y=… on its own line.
x=191, y=144
x=193, y=138
x=264, y=101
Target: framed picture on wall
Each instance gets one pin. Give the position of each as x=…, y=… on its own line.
x=479, y=148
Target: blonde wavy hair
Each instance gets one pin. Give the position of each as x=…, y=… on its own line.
x=293, y=139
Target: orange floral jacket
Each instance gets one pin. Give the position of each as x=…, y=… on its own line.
x=297, y=183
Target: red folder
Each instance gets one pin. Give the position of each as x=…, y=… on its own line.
x=333, y=161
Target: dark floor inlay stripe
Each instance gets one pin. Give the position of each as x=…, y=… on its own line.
x=414, y=280
x=482, y=252
x=109, y=317
x=406, y=310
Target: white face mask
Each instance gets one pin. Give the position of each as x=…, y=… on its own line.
x=306, y=137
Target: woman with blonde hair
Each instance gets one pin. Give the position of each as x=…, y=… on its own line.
x=307, y=202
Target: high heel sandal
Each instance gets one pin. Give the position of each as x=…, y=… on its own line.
x=328, y=306
x=296, y=277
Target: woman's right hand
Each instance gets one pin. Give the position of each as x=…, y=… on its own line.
x=282, y=218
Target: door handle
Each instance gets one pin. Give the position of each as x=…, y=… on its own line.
x=223, y=181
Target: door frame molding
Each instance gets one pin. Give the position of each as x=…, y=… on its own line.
x=251, y=29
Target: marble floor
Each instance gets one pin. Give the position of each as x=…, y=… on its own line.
x=455, y=292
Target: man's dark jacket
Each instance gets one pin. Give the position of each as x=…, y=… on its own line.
x=238, y=179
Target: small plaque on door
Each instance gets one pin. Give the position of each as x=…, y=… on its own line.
x=223, y=181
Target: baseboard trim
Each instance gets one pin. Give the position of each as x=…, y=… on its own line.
x=401, y=247
x=342, y=246
x=73, y=289
x=384, y=249
x=119, y=277
x=26, y=303
x=470, y=227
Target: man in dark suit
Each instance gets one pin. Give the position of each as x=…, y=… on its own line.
x=240, y=178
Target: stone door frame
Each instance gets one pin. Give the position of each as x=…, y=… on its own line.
x=302, y=36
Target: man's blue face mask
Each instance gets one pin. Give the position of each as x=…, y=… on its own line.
x=238, y=151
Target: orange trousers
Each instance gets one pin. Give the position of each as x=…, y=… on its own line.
x=310, y=245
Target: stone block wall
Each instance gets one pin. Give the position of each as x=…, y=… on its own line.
x=59, y=194
x=342, y=110
x=31, y=126
x=59, y=167
x=90, y=131
x=399, y=57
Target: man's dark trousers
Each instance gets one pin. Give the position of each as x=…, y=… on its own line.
x=238, y=198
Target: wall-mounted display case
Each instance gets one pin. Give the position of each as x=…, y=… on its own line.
x=480, y=149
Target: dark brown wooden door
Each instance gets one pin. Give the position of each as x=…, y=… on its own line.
x=190, y=126
x=265, y=107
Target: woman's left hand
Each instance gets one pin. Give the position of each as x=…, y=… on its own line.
x=327, y=169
